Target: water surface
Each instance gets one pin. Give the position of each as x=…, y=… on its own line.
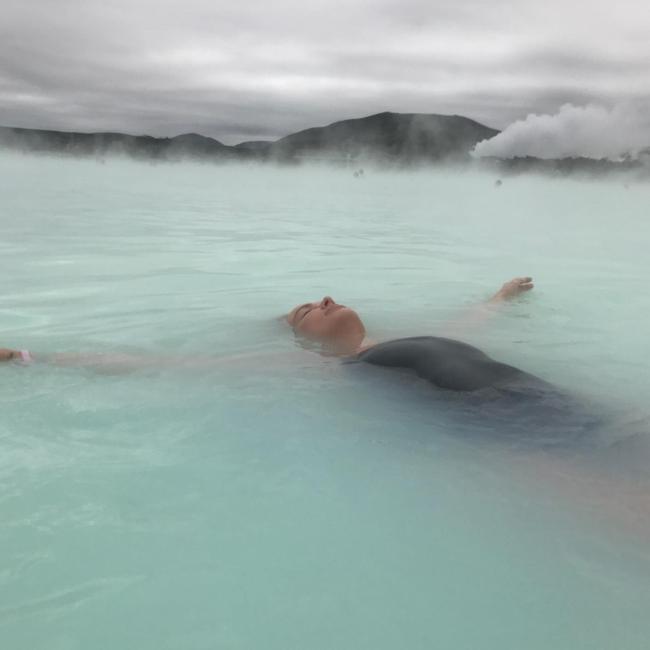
x=287, y=503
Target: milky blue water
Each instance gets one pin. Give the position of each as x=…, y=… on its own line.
x=279, y=499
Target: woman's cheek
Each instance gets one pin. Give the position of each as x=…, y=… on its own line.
x=307, y=326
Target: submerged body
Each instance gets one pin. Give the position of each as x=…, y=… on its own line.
x=514, y=405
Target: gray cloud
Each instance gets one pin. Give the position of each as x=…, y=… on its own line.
x=253, y=70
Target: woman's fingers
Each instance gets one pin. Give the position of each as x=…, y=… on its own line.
x=514, y=287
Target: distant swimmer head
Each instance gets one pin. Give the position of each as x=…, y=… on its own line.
x=336, y=326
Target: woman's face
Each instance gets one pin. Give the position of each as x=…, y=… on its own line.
x=326, y=321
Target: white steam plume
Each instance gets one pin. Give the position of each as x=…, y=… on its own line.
x=591, y=131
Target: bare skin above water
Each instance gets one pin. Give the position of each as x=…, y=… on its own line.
x=338, y=328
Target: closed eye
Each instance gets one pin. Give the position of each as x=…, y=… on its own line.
x=299, y=316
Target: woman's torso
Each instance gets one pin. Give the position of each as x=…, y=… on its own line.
x=444, y=362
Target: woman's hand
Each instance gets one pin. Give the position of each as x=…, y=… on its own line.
x=7, y=355
x=513, y=288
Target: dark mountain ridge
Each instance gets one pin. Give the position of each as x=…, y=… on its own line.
x=403, y=137
x=387, y=137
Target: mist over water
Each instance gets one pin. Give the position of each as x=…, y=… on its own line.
x=292, y=501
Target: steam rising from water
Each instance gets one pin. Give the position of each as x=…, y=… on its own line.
x=591, y=131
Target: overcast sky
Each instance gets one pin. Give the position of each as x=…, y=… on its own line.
x=252, y=69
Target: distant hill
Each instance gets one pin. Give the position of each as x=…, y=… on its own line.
x=257, y=146
x=388, y=137
x=189, y=145
x=577, y=165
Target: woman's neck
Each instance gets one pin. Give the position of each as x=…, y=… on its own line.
x=347, y=348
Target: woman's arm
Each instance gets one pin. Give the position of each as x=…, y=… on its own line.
x=108, y=363
x=478, y=314
x=119, y=363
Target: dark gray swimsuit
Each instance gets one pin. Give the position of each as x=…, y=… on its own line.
x=446, y=363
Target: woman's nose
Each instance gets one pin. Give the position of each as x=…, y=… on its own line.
x=326, y=302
